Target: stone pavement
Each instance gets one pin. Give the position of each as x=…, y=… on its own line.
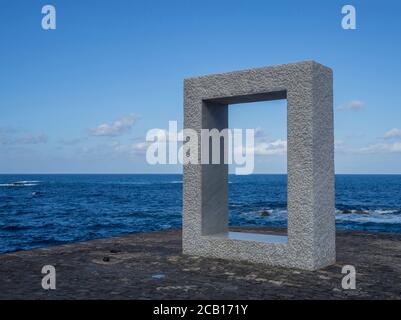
x=151, y=266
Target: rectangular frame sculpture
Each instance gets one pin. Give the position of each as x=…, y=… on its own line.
x=310, y=242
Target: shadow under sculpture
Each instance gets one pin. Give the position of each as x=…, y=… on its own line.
x=310, y=243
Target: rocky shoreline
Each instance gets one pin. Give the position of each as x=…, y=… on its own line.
x=359, y=211
x=269, y=212
x=151, y=266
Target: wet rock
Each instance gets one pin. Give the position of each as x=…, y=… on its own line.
x=361, y=212
x=346, y=211
x=106, y=259
x=265, y=213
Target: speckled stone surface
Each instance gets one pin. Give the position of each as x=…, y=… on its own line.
x=308, y=88
x=151, y=266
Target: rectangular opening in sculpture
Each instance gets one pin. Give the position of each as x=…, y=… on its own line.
x=260, y=199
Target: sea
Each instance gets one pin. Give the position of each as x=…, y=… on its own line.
x=46, y=210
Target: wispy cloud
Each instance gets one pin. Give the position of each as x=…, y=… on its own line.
x=340, y=145
x=117, y=128
x=260, y=133
x=140, y=145
x=393, y=133
x=351, y=105
x=71, y=142
x=138, y=148
x=13, y=137
x=382, y=147
x=31, y=139
x=394, y=147
x=276, y=147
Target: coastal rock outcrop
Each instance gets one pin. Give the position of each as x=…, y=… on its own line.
x=359, y=211
x=265, y=213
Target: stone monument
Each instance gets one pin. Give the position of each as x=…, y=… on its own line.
x=310, y=240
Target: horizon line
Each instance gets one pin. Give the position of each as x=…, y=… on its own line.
x=172, y=173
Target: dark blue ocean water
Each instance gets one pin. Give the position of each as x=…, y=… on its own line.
x=43, y=210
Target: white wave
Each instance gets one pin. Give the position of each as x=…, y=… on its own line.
x=177, y=181
x=379, y=216
x=367, y=211
x=130, y=183
x=384, y=211
x=20, y=184
x=372, y=218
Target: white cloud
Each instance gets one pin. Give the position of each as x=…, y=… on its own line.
x=352, y=105
x=116, y=128
x=393, y=133
x=382, y=148
x=373, y=148
x=260, y=133
x=340, y=146
x=277, y=147
x=140, y=146
x=161, y=135
x=132, y=148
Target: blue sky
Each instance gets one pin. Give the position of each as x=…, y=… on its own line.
x=80, y=99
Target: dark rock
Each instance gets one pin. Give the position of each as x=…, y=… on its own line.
x=115, y=251
x=106, y=259
x=265, y=213
x=346, y=211
x=376, y=257
x=361, y=212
